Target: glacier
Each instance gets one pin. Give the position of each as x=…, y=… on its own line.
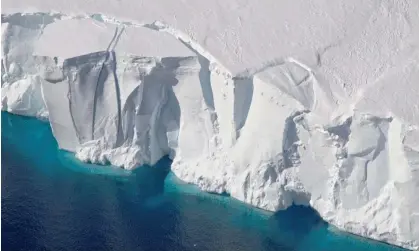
x=273, y=102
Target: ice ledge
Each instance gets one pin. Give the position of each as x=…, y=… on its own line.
x=358, y=171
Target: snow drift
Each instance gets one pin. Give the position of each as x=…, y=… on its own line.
x=332, y=121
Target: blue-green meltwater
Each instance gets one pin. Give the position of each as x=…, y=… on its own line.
x=51, y=201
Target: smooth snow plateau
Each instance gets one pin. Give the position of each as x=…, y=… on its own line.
x=273, y=102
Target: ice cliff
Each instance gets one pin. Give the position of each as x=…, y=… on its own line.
x=273, y=102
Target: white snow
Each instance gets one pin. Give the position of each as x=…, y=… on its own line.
x=273, y=102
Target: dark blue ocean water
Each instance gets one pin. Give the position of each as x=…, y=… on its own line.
x=50, y=201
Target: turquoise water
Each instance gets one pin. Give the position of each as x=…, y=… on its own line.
x=51, y=201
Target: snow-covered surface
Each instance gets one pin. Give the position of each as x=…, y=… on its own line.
x=274, y=102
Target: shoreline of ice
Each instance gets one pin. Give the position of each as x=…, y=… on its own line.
x=261, y=135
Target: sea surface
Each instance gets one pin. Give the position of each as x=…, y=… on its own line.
x=51, y=201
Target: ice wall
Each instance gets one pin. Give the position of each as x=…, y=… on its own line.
x=299, y=129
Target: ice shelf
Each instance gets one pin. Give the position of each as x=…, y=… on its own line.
x=273, y=102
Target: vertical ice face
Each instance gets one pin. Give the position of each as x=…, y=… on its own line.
x=87, y=77
x=21, y=94
x=296, y=127
x=56, y=92
x=142, y=91
x=107, y=105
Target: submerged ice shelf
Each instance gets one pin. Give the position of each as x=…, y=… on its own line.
x=302, y=128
